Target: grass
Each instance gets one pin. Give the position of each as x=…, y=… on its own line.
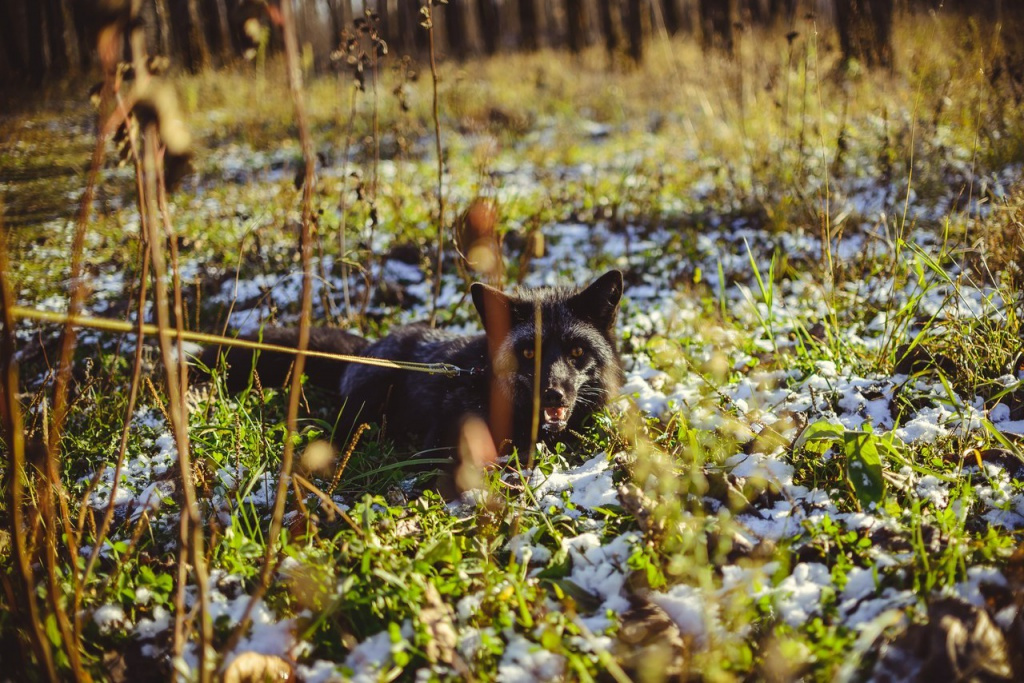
x=762, y=362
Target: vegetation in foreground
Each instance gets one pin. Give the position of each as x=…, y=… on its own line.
x=815, y=471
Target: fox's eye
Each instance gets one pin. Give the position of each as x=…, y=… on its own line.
x=527, y=354
x=576, y=352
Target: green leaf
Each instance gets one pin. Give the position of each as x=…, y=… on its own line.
x=558, y=567
x=586, y=601
x=819, y=436
x=164, y=582
x=52, y=632
x=994, y=432
x=550, y=639
x=863, y=467
x=441, y=550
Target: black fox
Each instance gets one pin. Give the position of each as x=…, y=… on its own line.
x=579, y=368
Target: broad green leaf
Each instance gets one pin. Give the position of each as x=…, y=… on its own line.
x=863, y=467
x=441, y=550
x=994, y=432
x=52, y=631
x=586, y=601
x=819, y=436
x=559, y=566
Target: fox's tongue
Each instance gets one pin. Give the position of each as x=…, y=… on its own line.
x=556, y=414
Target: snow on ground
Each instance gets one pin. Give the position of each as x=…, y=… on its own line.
x=741, y=408
x=677, y=364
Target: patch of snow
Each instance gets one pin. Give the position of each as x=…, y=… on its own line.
x=110, y=617
x=590, y=484
x=601, y=570
x=525, y=661
x=691, y=610
x=798, y=596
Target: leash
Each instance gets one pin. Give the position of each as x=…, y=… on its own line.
x=107, y=325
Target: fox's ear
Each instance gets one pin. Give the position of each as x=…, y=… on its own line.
x=600, y=301
x=492, y=305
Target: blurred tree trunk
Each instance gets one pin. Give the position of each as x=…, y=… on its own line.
x=529, y=25
x=69, y=36
x=782, y=9
x=689, y=17
x=36, y=41
x=197, y=38
x=84, y=34
x=455, y=27
x=671, y=14
x=7, y=72
x=576, y=21
x=490, y=25
x=552, y=17
x=147, y=18
x=755, y=12
x=226, y=48
x=637, y=20
x=474, y=43
x=342, y=11
x=716, y=20
x=384, y=26
x=408, y=27
x=865, y=31
x=53, y=33
x=609, y=15
x=12, y=36
x=337, y=24
x=163, y=27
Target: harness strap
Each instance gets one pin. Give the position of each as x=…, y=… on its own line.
x=107, y=325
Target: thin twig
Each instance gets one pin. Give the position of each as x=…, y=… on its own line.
x=133, y=390
x=70, y=628
x=343, y=210
x=191, y=528
x=331, y=506
x=133, y=394
x=429, y=21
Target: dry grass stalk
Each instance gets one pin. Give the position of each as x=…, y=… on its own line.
x=348, y=454
x=13, y=433
x=295, y=390
x=428, y=23
x=191, y=529
x=133, y=393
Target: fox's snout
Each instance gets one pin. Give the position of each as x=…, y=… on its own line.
x=558, y=396
x=553, y=396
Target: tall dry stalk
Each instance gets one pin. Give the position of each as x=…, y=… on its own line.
x=191, y=541
x=343, y=210
x=117, y=116
x=52, y=498
x=428, y=23
x=50, y=495
x=133, y=394
x=12, y=432
x=284, y=475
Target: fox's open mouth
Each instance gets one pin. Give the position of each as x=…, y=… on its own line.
x=554, y=418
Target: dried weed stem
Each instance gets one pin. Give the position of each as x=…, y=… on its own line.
x=295, y=389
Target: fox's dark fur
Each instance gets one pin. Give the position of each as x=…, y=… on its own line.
x=579, y=363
